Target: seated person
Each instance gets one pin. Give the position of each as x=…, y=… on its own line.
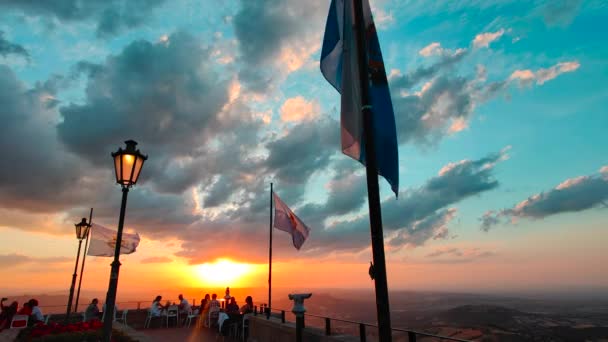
x=36, y=315
x=26, y=309
x=92, y=311
x=156, y=308
x=7, y=314
x=248, y=307
x=232, y=308
x=184, y=306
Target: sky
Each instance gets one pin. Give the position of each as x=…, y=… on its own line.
x=500, y=110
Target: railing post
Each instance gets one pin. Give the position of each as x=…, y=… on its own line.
x=411, y=336
x=282, y=316
x=327, y=326
x=138, y=305
x=362, y=334
x=255, y=310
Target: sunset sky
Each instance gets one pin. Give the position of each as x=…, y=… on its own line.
x=501, y=112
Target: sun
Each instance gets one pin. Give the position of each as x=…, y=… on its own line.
x=223, y=272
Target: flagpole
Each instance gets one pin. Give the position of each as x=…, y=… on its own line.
x=270, y=255
x=86, y=244
x=373, y=193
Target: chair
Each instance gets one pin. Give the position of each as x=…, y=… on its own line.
x=172, y=312
x=123, y=317
x=19, y=321
x=103, y=316
x=46, y=319
x=245, y=325
x=148, y=319
x=213, y=315
x=191, y=315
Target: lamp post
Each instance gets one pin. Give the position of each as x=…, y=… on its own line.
x=84, y=258
x=127, y=165
x=82, y=231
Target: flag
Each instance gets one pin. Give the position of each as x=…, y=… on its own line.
x=339, y=65
x=103, y=242
x=286, y=220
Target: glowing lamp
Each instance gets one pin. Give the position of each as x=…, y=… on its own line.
x=128, y=164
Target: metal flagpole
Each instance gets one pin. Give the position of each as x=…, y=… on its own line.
x=86, y=244
x=373, y=193
x=270, y=255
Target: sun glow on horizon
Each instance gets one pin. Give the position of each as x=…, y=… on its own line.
x=224, y=272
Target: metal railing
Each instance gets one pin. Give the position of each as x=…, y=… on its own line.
x=326, y=325
x=412, y=335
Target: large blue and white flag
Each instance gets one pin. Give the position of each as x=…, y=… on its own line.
x=339, y=65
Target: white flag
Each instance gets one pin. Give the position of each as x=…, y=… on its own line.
x=286, y=220
x=103, y=242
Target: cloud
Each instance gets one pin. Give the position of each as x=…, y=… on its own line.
x=458, y=255
x=112, y=16
x=435, y=100
x=435, y=49
x=8, y=48
x=282, y=36
x=527, y=77
x=156, y=260
x=419, y=215
x=560, y=12
x=165, y=96
x=431, y=50
x=298, y=109
x=484, y=39
x=315, y=142
x=572, y=195
x=13, y=260
x=55, y=177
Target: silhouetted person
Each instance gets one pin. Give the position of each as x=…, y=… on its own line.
x=248, y=307
x=6, y=316
x=92, y=311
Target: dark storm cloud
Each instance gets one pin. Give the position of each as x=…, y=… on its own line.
x=9, y=48
x=112, y=16
x=165, y=96
x=418, y=214
x=37, y=173
x=264, y=27
x=572, y=195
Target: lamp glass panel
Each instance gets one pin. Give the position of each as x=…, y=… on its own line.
x=117, y=167
x=128, y=161
x=138, y=165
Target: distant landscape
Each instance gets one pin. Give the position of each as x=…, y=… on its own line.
x=480, y=317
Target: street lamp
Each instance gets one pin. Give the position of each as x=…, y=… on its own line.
x=82, y=231
x=127, y=165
